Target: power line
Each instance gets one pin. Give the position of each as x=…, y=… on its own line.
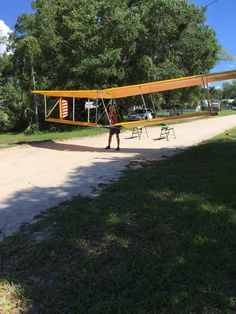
x=206, y=6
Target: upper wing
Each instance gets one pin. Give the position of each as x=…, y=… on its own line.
x=139, y=89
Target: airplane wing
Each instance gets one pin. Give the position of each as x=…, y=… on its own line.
x=163, y=120
x=140, y=89
x=134, y=90
x=171, y=84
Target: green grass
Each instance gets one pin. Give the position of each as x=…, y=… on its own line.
x=226, y=112
x=45, y=136
x=162, y=239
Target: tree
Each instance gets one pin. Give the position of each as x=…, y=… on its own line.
x=82, y=44
x=120, y=41
x=27, y=54
x=229, y=90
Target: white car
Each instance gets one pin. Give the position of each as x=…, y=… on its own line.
x=141, y=114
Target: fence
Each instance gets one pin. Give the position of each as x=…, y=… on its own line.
x=173, y=112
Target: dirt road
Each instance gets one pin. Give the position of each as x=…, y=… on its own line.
x=35, y=177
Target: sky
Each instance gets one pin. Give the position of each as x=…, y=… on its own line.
x=9, y=11
x=220, y=16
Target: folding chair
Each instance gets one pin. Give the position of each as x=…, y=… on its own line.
x=138, y=131
x=166, y=131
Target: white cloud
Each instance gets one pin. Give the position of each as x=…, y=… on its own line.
x=232, y=66
x=4, y=31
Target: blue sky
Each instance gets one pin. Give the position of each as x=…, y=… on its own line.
x=220, y=16
x=11, y=9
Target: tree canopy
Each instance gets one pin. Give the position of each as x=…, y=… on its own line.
x=229, y=90
x=81, y=44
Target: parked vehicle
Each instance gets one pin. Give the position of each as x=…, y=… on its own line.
x=141, y=114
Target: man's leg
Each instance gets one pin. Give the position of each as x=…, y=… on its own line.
x=109, y=141
x=118, y=141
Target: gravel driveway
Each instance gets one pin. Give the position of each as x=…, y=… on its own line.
x=38, y=176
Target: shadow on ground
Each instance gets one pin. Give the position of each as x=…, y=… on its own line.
x=23, y=205
x=51, y=145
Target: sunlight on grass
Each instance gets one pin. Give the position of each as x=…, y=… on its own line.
x=226, y=112
x=163, y=194
x=113, y=219
x=11, y=298
x=112, y=239
x=202, y=240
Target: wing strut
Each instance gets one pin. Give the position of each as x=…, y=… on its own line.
x=206, y=88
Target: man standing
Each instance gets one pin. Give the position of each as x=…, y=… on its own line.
x=113, y=119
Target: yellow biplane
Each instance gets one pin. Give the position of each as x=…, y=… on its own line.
x=61, y=105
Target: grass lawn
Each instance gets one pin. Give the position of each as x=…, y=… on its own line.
x=226, y=112
x=11, y=138
x=162, y=239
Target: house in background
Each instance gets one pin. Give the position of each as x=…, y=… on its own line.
x=205, y=105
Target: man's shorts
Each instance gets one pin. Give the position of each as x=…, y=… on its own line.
x=114, y=130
